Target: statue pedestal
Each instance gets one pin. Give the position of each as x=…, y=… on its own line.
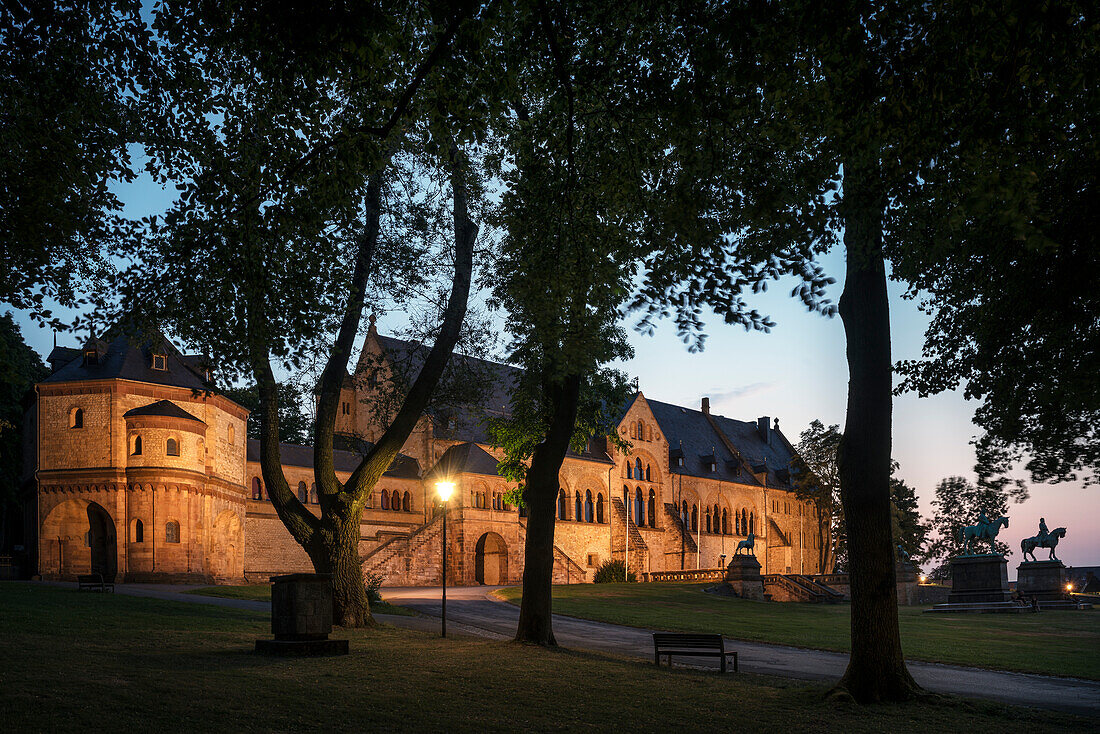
x=907, y=581
x=1045, y=580
x=979, y=580
x=743, y=576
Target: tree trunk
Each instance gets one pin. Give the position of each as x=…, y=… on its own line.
x=876, y=670
x=541, y=495
x=337, y=553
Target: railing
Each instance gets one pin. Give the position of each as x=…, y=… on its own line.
x=792, y=586
x=699, y=574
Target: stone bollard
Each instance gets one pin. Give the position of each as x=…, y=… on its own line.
x=301, y=617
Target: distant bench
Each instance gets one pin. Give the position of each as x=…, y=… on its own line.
x=691, y=645
x=93, y=582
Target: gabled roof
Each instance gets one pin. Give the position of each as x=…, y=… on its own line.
x=292, y=454
x=690, y=429
x=465, y=458
x=164, y=408
x=128, y=356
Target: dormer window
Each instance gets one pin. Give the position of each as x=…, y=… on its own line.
x=679, y=461
x=160, y=362
x=91, y=357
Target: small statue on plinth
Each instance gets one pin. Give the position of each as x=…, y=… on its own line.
x=986, y=529
x=1045, y=539
x=747, y=545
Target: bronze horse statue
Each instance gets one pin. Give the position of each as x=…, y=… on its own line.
x=747, y=545
x=982, y=531
x=1028, y=545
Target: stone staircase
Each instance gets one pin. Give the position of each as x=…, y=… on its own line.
x=637, y=542
x=796, y=587
x=677, y=525
x=402, y=560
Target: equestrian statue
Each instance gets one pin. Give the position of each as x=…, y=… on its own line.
x=1045, y=539
x=746, y=545
x=986, y=529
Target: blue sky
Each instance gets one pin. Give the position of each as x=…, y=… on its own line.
x=797, y=373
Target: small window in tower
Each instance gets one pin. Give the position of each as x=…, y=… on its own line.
x=76, y=418
x=173, y=447
x=172, y=532
x=135, y=446
x=160, y=362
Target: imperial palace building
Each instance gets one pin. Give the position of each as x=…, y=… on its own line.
x=138, y=470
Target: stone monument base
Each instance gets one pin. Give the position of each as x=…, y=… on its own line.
x=1045, y=580
x=979, y=580
x=301, y=617
x=743, y=577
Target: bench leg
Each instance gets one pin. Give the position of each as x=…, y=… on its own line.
x=735, y=668
x=723, y=663
x=657, y=658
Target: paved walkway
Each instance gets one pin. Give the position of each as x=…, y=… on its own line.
x=471, y=611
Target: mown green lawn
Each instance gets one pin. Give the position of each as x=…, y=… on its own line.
x=74, y=661
x=262, y=592
x=1053, y=643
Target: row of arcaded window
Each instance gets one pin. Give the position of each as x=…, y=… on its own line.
x=396, y=501
x=641, y=431
x=635, y=471
x=171, y=446
x=171, y=532
x=586, y=507
x=716, y=520
x=305, y=496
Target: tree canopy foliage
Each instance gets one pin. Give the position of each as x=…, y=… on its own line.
x=294, y=425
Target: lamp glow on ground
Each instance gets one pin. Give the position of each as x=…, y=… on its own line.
x=444, y=490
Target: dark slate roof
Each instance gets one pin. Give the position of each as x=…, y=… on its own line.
x=493, y=385
x=292, y=454
x=692, y=430
x=468, y=458
x=128, y=357
x=162, y=407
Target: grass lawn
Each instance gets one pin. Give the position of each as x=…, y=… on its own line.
x=75, y=661
x=262, y=592
x=1053, y=643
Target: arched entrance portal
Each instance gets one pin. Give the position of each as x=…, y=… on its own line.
x=101, y=542
x=491, y=560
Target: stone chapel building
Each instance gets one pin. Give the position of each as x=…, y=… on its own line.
x=137, y=470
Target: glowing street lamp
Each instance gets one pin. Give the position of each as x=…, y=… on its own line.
x=444, y=490
x=923, y=579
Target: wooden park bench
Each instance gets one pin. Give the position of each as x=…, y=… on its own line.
x=93, y=582
x=691, y=645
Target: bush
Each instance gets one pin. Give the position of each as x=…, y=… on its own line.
x=611, y=572
x=374, y=588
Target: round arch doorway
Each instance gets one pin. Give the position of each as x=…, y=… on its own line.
x=491, y=560
x=101, y=541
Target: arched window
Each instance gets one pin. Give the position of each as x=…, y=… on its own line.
x=599, y=508
x=708, y=519
x=231, y=434
x=639, y=507
x=313, y=498
x=737, y=522
x=716, y=518
x=648, y=477
x=407, y=502
x=629, y=470
x=638, y=469
x=385, y=500
x=138, y=532
x=684, y=513
x=76, y=418
x=752, y=523
x=395, y=503
x=172, y=532
x=303, y=493
x=561, y=504
x=641, y=430
x=725, y=523
x=652, y=509
x=694, y=518
x=173, y=447
x=588, y=509
x=135, y=446
x=257, y=489
x=578, y=511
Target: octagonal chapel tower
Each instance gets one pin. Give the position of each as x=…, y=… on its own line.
x=140, y=467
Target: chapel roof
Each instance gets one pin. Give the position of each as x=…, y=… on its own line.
x=165, y=408
x=292, y=454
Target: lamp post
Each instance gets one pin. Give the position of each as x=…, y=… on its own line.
x=444, y=489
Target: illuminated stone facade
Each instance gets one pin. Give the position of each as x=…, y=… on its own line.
x=155, y=480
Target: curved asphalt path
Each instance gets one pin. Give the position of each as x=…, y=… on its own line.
x=471, y=611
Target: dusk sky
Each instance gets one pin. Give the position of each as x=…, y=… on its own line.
x=798, y=373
